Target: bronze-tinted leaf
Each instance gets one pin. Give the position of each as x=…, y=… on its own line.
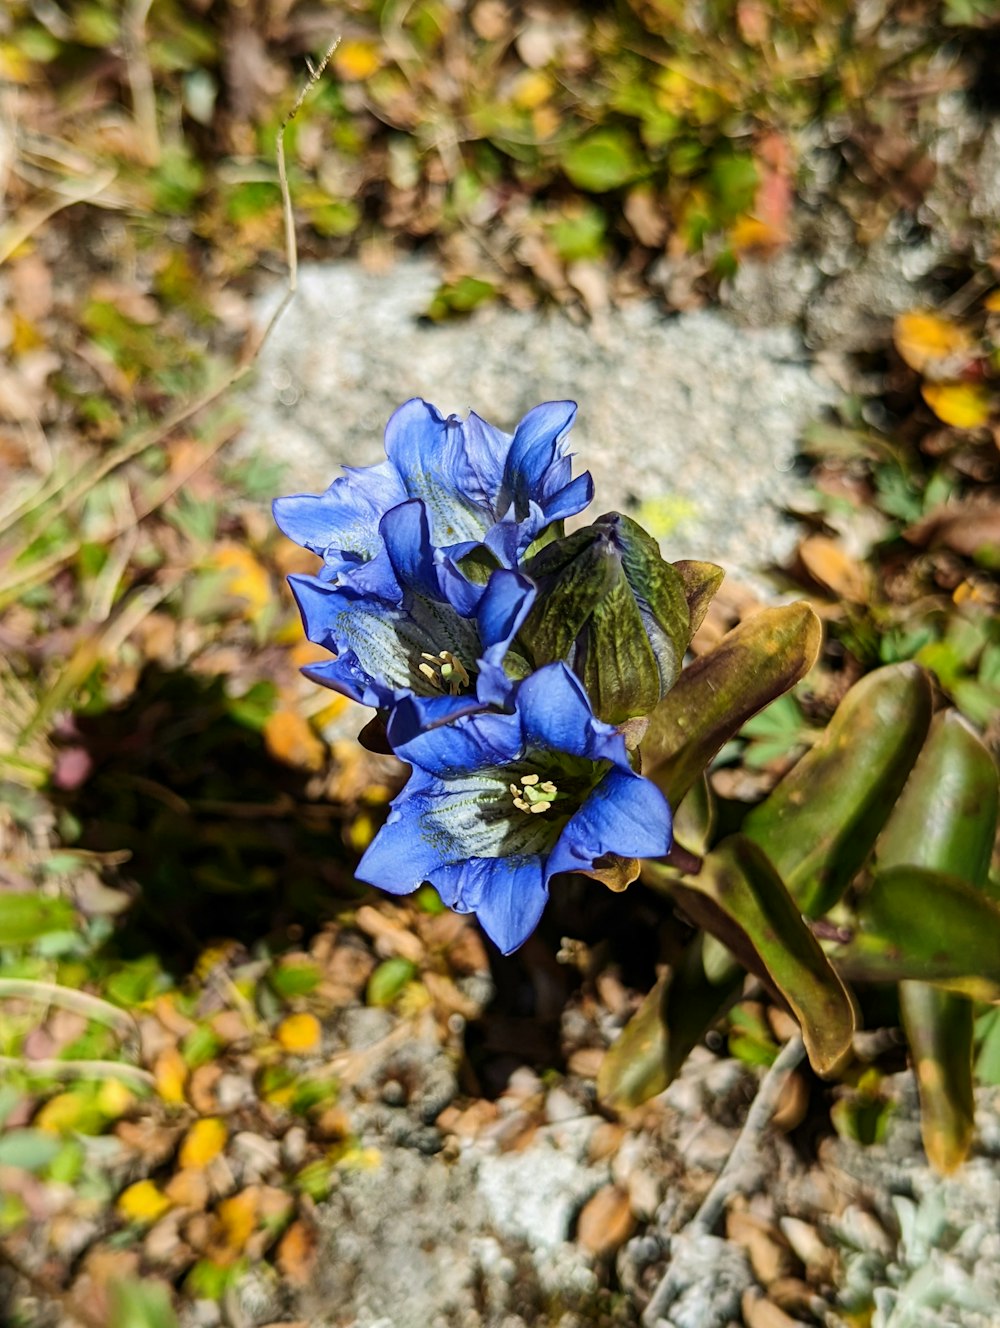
x=749, y=906
x=755, y=662
x=654, y=1044
x=945, y=819
x=819, y=824
x=939, y=1028
x=701, y=582
x=922, y=924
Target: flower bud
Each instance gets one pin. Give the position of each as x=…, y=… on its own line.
x=613, y=609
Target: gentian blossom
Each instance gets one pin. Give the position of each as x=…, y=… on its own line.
x=481, y=486
x=497, y=803
x=432, y=634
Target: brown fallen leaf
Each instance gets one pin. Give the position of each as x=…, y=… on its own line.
x=964, y=527
x=769, y=1256
x=760, y=1313
x=606, y=1221
x=834, y=569
x=297, y=1254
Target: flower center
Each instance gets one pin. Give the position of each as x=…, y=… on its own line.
x=444, y=671
x=533, y=797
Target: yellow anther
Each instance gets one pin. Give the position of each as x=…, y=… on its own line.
x=528, y=780
x=547, y=787
x=428, y=673
x=539, y=807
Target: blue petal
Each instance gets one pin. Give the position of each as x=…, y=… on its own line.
x=416, y=714
x=507, y=895
x=503, y=608
x=343, y=520
x=480, y=741
x=625, y=814
x=487, y=449
x=555, y=712
x=345, y=675
x=373, y=579
x=319, y=603
x=573, y=498
x=430, y=454
x=406, y=532
x=536, y=446
x=400, y=857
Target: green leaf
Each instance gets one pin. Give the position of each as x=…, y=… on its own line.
x=141, y=1305
x=26, y=917
x=988, y=1037
x=921, y=924
x=32, y=1150
x=938, y=1026
x=739, y=898
x=650, y=1050
x=603, y=159
x=701, y=582
x=717, y=694
x=389, y=979
x=946, y=816
x=820, y=823
x=945, y=820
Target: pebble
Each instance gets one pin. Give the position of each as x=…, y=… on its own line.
x=294, y=1146
x=562, y=1106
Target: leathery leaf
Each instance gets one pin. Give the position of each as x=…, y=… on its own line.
x=755, y=662
x=945, y=819
x=650, y=1050
x=739, y=898
x=820, y=823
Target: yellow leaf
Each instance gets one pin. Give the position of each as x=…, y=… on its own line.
x=142, y=1202
x=114, y=1099
x=237, y=1219
x=299, y=1032
x=246, y=577
x=289, y=738
x=963, y=405
x=204, y=1141
x=355, y=61
x=925, y=339
x=62, y=1113
x=531, y=89
x=170, y=1073
x=749, y=233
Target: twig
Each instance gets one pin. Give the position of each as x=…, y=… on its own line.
x=140, y=79
x=14, y=234
x=734, y=1175
x=51, y=1067
x=80, y=1002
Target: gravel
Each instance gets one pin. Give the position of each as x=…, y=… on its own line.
x=691, y=422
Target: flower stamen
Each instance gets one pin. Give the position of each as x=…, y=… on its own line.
x=444, y=671
x=533, y=796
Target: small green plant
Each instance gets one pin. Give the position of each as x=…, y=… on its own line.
x=868, y=863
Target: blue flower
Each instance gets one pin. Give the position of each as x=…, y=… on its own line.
x=433, y=636
x=497, y=803
x=481, y=486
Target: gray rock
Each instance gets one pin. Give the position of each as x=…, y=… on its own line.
x=477, y=1243
x=691, y=422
